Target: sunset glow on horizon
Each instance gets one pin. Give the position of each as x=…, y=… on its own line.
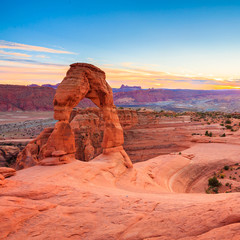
x=153, y=45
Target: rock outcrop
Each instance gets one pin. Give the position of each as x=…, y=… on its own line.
x=7, y=172
x=85, y=80
x=88, y=127
x=82, y=80
x=8, y=154
x=146, y=202
x=30, y=155
x=2, y=180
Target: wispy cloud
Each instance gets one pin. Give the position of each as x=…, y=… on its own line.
x=31, y=73
x=20, y=60
x=17, y=70
x=2, y=52
x=20, y=46
x=131, y=75
x=42, y=56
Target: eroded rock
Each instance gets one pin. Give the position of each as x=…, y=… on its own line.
x=30, y=155
x=8, y=154
x=7, y=172
x=2, y=180
x=82, y=80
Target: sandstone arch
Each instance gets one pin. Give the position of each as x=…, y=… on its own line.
x=83, y=80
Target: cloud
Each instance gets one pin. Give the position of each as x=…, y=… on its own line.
x=15, y=70
x=42, y=56
x=2, y=52
x=146, y=78
x=20, y=46
x=20, y=60
x=31, y=73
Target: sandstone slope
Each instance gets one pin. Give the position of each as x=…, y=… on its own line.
x=102, y=199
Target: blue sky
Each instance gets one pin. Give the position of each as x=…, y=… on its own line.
x=147, y=43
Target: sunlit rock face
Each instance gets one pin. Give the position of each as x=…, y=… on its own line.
x=82, y=80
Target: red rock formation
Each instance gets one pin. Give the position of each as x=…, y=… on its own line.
x=85, y=80
x=2, y=180
x=15, y=98
x=61, y=139
x=25, y=98
x=7, y=172
x=88, y=126
x=82, y=80
x=30, y=155
x=146, y=202
x=7, y=154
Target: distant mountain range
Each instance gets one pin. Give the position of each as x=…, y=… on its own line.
x=123, y=88
x=39, y=98
x=45, y=85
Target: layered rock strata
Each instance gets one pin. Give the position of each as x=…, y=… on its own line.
x=82, y=80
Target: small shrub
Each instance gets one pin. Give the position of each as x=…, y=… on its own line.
x=208, y=134
x=228, y=121
x=223, y=135
x=228, y=127
x=215, y=189
x=226, y=167
x=213, y=182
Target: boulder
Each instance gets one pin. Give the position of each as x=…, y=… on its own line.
x=7, y=172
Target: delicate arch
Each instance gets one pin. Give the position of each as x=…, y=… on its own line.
x=85, y=80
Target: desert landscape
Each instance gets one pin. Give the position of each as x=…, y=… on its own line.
x=184, y=182
x=119, y=120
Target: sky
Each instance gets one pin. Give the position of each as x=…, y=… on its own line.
x=154, y=44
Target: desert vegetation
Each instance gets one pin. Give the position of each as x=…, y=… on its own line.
x=226, y=180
